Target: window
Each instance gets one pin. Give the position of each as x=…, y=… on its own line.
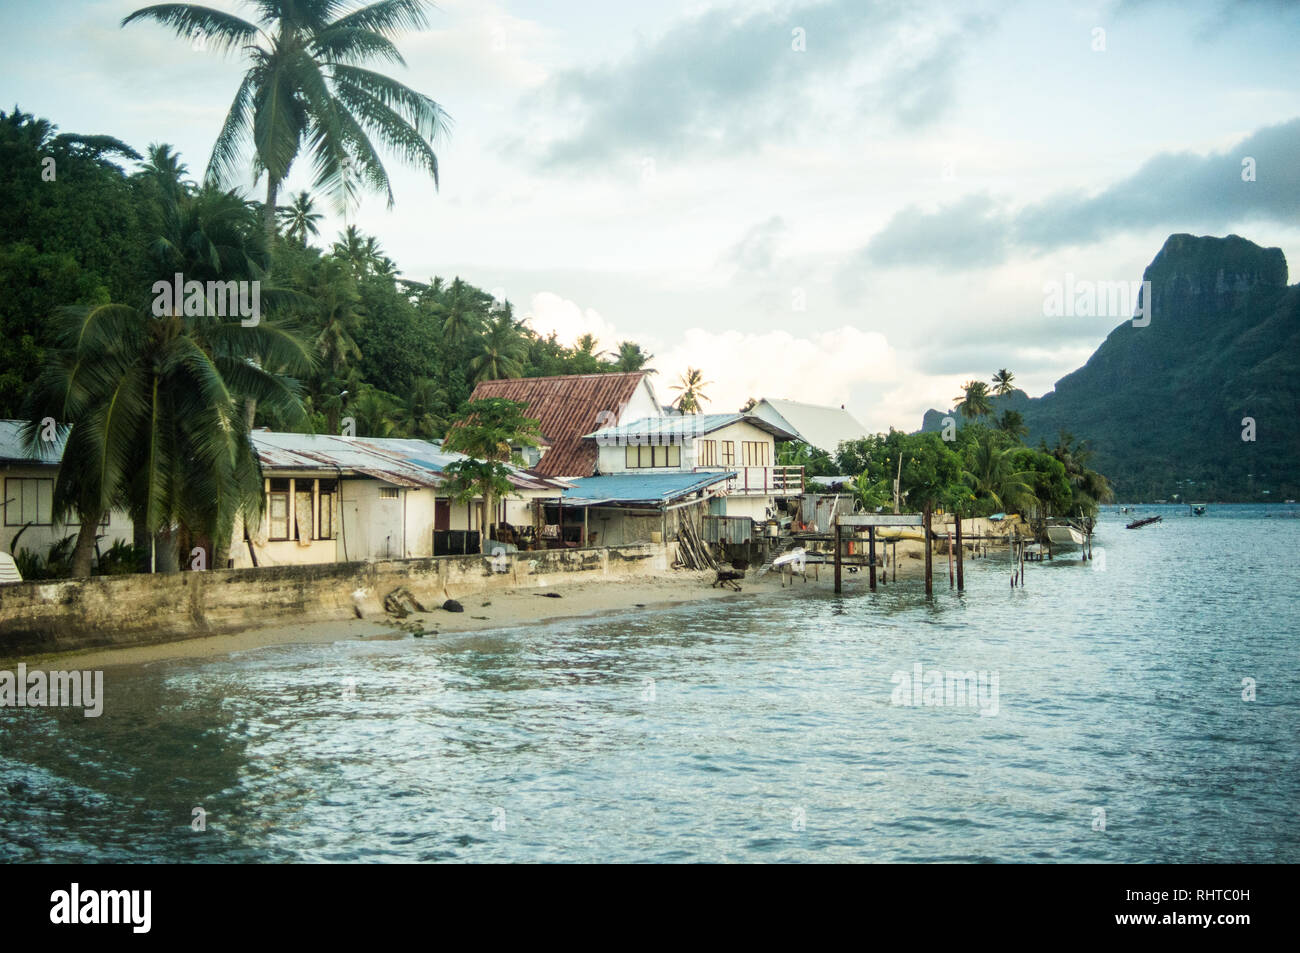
x=277, y=511
x=388, y=492
x=28, y=501
x=646, y=457
x=756, y=453
x=325, y=511
x=706, y=453
x=728, y=453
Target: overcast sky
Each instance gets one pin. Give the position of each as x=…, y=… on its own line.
x=840, y=202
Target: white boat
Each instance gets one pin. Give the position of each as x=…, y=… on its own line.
x=796, y=559
x=1064, y=536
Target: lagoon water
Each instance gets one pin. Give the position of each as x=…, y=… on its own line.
x=744, y=731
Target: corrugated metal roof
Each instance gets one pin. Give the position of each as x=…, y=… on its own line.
x=647, y=488
x=566, y=408
x=410, y=463
x=12, y=447
x=686, y=425
x=402, y=462
x=814, y=424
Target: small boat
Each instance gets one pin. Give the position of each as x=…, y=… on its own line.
x=1065, y=536
x=1144, y=522
x=1198, y=509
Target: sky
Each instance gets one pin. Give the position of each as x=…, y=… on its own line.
x=842, y=202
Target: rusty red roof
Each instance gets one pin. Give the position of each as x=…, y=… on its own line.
x=566, y=408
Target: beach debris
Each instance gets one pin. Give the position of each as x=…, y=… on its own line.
x=478, y=617
x=727, y=579
x=451, y=605
x=401, y=603
x=693, y=552
x=548, y=595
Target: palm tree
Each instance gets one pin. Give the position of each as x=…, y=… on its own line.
x=974, y=402
x=361, y=252
x=501, y=349
x=299, y=217
x=163, y=167
x=419, y=415
x=1013, y=423
x=691, y=384
x=153, y=394
x=1002, y=382
x=991, y=473
x=306, y=88
x=376, y=412
x=631, y=357
x=461, y=320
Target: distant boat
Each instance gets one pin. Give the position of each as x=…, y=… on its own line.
x=1064, y=536
x=1198, y=509
x=1144, y=522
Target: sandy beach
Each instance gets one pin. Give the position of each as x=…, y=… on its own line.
x=515, y=607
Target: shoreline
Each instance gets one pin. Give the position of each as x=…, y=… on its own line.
x=490, y=609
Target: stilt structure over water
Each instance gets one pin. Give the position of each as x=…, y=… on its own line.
x=872, y=522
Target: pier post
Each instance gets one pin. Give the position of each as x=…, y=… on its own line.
x=838, y=546
x=929, y=557
x=871, y=537
x=961, y=578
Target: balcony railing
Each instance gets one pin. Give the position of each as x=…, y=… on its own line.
x=762, y=481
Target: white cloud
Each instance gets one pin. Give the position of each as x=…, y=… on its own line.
x=569, y=321
x=825, y=368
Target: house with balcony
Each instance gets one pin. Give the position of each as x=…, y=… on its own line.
x=741, y=446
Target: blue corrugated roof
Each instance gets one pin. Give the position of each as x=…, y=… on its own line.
x=652, y=488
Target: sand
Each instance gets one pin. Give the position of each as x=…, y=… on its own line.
x=514, y=607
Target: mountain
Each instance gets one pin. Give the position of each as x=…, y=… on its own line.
x=1162, y=406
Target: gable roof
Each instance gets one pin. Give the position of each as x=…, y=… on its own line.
x=687, y=425
x=815, y=424
x=566, y=408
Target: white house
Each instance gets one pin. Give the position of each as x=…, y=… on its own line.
x=741, y=445
x=343, y=499
x=27, y=483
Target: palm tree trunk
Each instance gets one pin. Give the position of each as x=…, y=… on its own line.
x=85, y=547
x=140, y=538
x=268, y=213
x=167, y=556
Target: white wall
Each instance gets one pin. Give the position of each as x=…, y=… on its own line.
x=39, y=539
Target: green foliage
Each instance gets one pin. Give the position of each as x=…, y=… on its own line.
x=56, y=564
x=814, y=460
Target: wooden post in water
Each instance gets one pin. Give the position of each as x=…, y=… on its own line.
x=961, y=579
x=838, y=546
x=929, y=562
x=950, y=575
x=871, y=544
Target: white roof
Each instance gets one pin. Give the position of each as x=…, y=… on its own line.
x=816, y=425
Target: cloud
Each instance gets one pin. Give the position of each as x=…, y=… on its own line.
x=969, y=233
x=729, y=82
x=822, y=368
x=1170, y=192
x=549, y=313
x=756, y=251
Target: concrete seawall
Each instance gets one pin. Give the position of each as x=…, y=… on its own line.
x=60, y=616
